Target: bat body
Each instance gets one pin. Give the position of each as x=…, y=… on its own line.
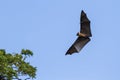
x=83, y=35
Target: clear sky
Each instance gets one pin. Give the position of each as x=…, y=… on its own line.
x=49, y=27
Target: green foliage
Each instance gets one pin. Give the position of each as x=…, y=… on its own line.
x=12, y=66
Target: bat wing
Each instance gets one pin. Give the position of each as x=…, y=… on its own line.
x=78, y=45
x=85, y=24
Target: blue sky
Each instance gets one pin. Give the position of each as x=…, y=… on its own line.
x=49, y=27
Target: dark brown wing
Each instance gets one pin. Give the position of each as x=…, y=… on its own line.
x=85, y=24
x=78, y=45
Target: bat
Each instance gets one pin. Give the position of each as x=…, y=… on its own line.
x=83, y=35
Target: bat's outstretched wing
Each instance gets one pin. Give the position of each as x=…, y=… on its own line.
x=78, y=45
x=85, y=24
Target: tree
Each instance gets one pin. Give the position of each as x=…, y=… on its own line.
x=13, y=66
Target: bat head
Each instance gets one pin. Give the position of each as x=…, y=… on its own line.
x=78, y=34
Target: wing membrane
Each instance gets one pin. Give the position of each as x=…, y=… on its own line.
x=78, y=45
x=85, y=25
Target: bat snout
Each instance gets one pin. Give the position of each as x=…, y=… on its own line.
x=77, y=34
